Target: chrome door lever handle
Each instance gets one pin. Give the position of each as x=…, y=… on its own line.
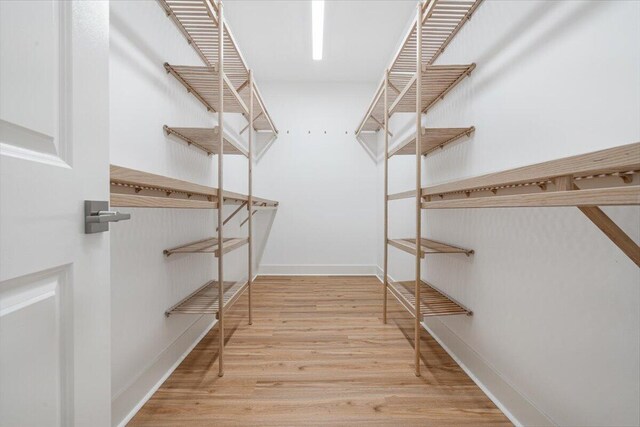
x=97, y=216
x=107, y=216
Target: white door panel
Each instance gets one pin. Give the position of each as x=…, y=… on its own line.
x=35, y=336
x=34, y=42
x=54, y=279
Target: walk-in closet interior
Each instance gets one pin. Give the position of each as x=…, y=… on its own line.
x=320, y=212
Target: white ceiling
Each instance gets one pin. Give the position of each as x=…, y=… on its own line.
x=360, y=37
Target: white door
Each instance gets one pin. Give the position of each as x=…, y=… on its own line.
x=54, y=154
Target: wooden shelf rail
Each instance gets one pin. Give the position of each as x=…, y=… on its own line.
x=134, y=188
x=209, y=246
x=428, y=247
x=432, y=139
x=205, y=300
x=441, y=20
x=433, y=302
x=607, y=177
x=604, y=177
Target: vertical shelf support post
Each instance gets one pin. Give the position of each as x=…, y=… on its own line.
x=250, y=203
x=220, y=188
x=418, y=183
x=385, y=279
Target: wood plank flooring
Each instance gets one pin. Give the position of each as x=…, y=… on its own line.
x=318, y=354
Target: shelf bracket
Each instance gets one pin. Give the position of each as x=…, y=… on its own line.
x=243, y=204
x=612, y=231
x=247, y=218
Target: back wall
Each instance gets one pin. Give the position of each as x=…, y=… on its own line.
x=324, y=181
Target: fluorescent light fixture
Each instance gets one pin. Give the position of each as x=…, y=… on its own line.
x=317, y=27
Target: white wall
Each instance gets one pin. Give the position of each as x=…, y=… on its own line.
x=556, y=304
x=143, y=97
x=325, y=182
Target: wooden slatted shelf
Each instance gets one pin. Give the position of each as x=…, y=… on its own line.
x=428, y=247
x=207, y=139
x=202, y=82
x=208, y=246
x=441, y=21
x=437, y=81
x=205, y=300
x=197, y=21
x=433, y=302
x=582, y=180
x=432, y=139
x=134, y=188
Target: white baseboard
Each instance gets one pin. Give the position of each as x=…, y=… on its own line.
x=379, y=273
x=129, y=401
x=317, y=269
x=514, y=405
x=510, y=401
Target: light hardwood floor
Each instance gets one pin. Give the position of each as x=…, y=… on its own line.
x=318, y=354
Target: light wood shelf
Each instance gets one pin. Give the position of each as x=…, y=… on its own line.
x=207, y=139
x=205, y=300
x=619, y=196
x=428, y=247
x=198, y=22
x=433, y=302
x=604, y=177
x=200, y=81
x=209, y=246
x=437, y=82
x=609, y=177
x=134, y=188
x=441, y=21
x=432, y=139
